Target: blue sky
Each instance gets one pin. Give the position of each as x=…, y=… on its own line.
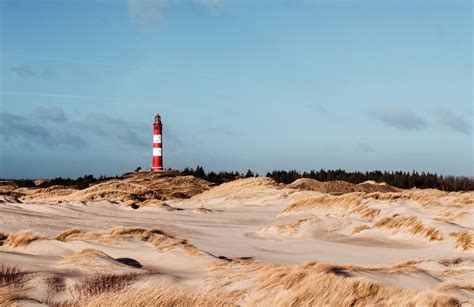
x=358, y=85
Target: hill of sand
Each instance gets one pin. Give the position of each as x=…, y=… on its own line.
x=163, y=239
x=7, y=186
x=135, y=186
x=341, y=187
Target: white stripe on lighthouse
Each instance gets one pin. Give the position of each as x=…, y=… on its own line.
x=157, y=152
x=157, y=138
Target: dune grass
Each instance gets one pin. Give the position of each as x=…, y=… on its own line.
x=464, y=239
x=360, y=228
x=12, y=280
x=9, y=295
x=347, y=204
x=412, y=224
x=11, y=276
x=22, y=238
x=100, y=283
x=161, y=295
x=315, y=284
x=55, y=284
x=160, y=239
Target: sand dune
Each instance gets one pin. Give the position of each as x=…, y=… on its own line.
x=241, y=189
x=402, y=216
x=341, y=187
x=163, y=239
x=135, y=186
x=160, y=239
x=349, y=204
x=50, y=194
x=7, y=186
x=410, y=223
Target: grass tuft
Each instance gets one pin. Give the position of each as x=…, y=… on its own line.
x=22, y=238
x=97, y=284
x=11, y=276
x=464, y=239
x=412, y=224
x=56, y=284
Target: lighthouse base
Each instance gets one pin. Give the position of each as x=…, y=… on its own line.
x=157, y=169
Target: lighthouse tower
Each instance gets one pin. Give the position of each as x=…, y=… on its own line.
x=157, y=162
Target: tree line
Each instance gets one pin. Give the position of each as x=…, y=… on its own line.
x=404, y=180
x=78, y=183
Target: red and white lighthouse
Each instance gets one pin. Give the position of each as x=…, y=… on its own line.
x=157, y=162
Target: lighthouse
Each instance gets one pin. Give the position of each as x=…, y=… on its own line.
x=157, y=162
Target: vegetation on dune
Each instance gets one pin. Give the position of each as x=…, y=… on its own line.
x=3, y=237
x=247, y=283
x=101, y=283
x=11, y=276
x=8, y=296
x=161, y=240
x=315, y=284
x=412, y=224
x=464, y=239
x=352, y=203
x=56, y=284
x=22, y=238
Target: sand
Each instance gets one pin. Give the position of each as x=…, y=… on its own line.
x=178, y=240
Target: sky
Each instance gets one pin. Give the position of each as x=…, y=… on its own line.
x=243, y=84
